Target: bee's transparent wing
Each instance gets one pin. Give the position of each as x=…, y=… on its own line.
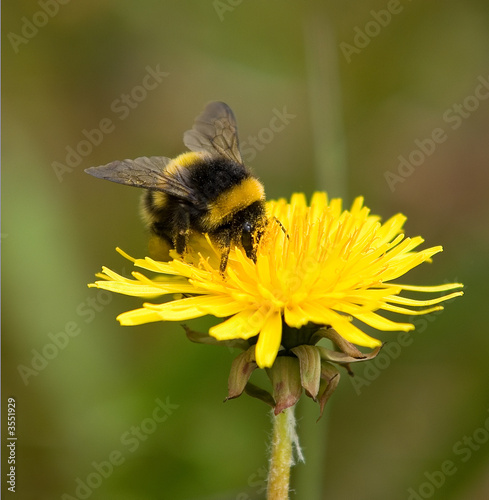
x=142, y=172
x=145, y=172
x=215, y=131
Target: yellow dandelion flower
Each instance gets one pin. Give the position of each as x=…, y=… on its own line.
x=315, y=264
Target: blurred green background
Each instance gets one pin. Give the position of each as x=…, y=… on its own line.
x=360, y=82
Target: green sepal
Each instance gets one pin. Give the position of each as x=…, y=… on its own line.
x=343, y=344
x=286, y=382
x=310, y=368
x=344, y=359
x=241, y=370
x=259, y=393
x=330, y=378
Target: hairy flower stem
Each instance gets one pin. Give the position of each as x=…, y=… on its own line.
x=281, y=457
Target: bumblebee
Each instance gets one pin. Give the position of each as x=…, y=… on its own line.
x=207, y=190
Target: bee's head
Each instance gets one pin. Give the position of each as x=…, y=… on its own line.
x=251, y=225
x=243, y=229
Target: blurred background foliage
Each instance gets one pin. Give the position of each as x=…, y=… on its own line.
x=354, y=114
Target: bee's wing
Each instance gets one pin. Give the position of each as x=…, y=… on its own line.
x=146, y=172
x=215, y=131
x=142, y=172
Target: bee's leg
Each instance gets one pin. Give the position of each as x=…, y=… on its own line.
x=224, y=259
x=225, y=248
x=255, y=240
x=182, y=225
x=281, y=225
x=252, y=253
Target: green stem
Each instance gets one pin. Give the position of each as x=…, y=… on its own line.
x=281, y=459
